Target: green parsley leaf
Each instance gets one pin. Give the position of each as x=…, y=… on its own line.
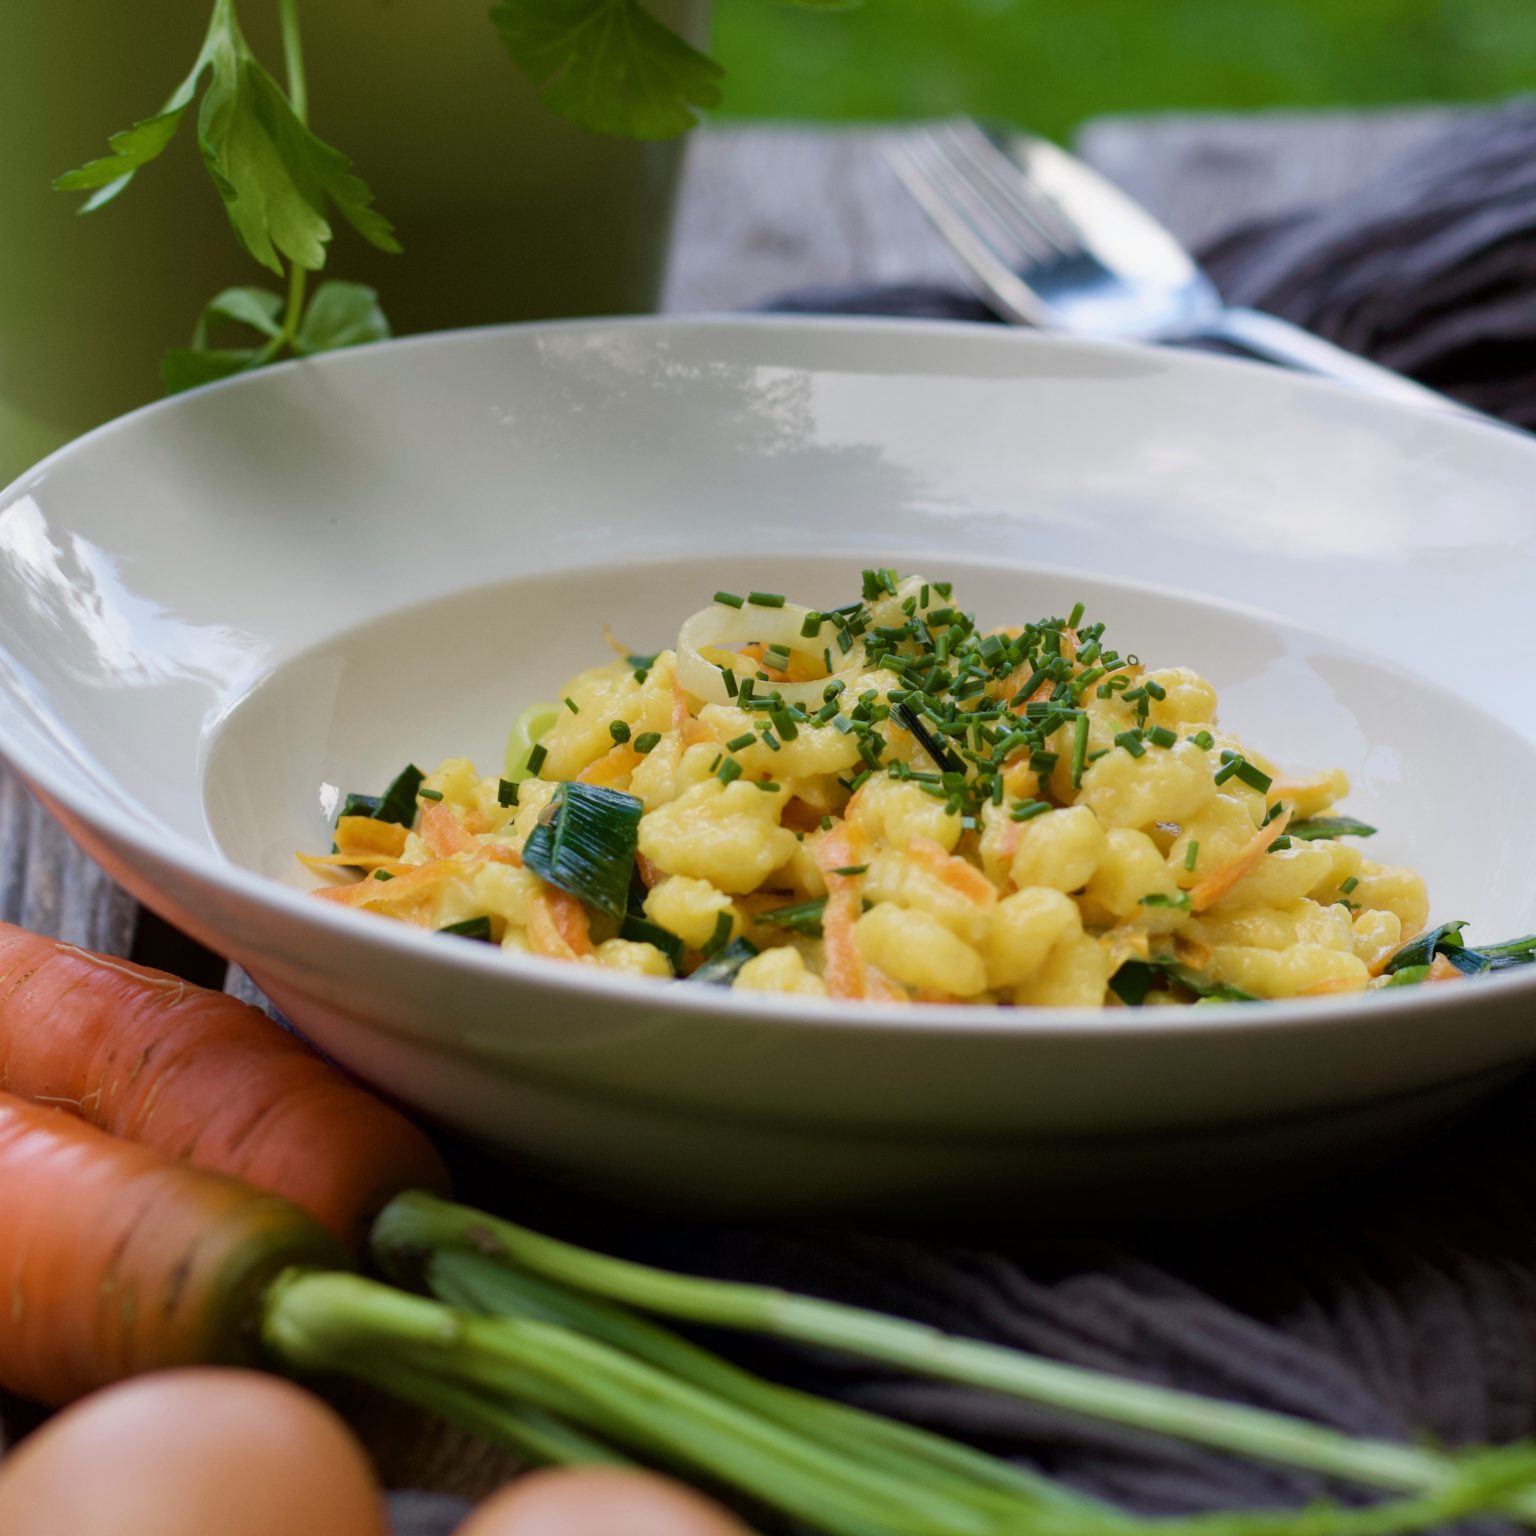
x=609, y=65
x=341, y=315
x=276, y=178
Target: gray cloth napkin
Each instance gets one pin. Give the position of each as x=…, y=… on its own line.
x=1400, y=1306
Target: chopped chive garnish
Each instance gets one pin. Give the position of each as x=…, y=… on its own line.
x=506, y=792
x=1191, y=853
x=767, y=786
x=1155, y=690
x=1079, y=750
x=729, y=678
x=720, y=970
x=1131, y=741
x=810, y=626
x=536, y=760
x=470, y=928
x=1276, y=810
x=637, y=930
x=802, y=917
x=730, y=770
x=647, y=741
x=382, y=874
x=1179, y=903
x=729, y=599
x=826, y=823
x=1076, y=617
x=766, y=599
x=1254, y=778
x=850, y=869
x=720, y=937
x=1346, y=886
x=429, y=794
x=1027, y=810
x=1204, y=740
x=572, y=705
x=619, y=730
x=770, y=740
x=744, y=740
x=1279, y=845
x=1229, y=768
x=1161, y=736
x=1329, y=826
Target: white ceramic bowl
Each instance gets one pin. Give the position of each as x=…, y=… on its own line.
x=219, y=612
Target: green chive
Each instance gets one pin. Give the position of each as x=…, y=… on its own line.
x=571, y=705
x=810, y=626
x=744, y=740
x=1191, y=853
x=767, y=786
x=536, y=760
x=1204, y=740
x=730, y=681
x=729, y=599
x=1228, y=768
x=471, y=928
x=1346, y=886
x=1254, y=778
x=1027, y=810
x=1131, y=741
x=1179, y=903
x=1161, y=736
x=730, y=769
x=1076, y=617
x=1079, y=749
x=766, y=599
x=850, y=869
x=1155, y=690
x=647, y=741
x=382, y=874
x=506, y=792
x=619, y=730
x=720, y=937
x=430, y=794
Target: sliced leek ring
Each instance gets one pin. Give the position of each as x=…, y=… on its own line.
x=721, y=625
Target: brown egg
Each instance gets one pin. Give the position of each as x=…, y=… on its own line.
x=598, y=1501
x=198, y=1452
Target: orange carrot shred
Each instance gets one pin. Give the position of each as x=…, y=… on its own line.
x=1216, y=884
x=444, y=833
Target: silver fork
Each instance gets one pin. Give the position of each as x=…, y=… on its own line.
x=1046, y=241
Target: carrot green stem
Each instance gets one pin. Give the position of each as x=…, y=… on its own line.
x=417, y=1224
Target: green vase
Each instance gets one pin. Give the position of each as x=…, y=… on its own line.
x=505, y=212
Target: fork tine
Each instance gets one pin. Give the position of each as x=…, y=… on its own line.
x=1017, y=241
x=956, y=183
x=991, y=276
x=1020, y=195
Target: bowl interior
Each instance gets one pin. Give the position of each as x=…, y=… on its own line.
x=447, y=678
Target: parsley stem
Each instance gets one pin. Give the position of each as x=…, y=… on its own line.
x=293, y=60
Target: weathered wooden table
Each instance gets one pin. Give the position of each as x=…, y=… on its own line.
x=766, y=211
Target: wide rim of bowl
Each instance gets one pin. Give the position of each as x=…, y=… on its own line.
x=197, y=865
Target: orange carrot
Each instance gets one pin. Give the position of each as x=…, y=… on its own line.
x=557, y=926
x=1220, y=881
x=117, y=1260
x=198, y=1075
x=443, y=832
x=963, y=878
x=612, y=766
x=843, y=967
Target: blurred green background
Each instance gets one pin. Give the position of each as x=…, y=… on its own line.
x=1051, y=63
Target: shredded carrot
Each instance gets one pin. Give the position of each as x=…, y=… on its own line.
x=443, y=832
x=617, y=763
x=843, y=968
x=1443, y=970
x=651, y=875
x=688, y=729
x=557, y=926
x=1216, y=884
x=956, y=873
x=1328, y=986
x=1191, y=951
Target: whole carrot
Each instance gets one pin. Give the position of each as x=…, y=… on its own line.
x=198, y=1075
x=115, y=1260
